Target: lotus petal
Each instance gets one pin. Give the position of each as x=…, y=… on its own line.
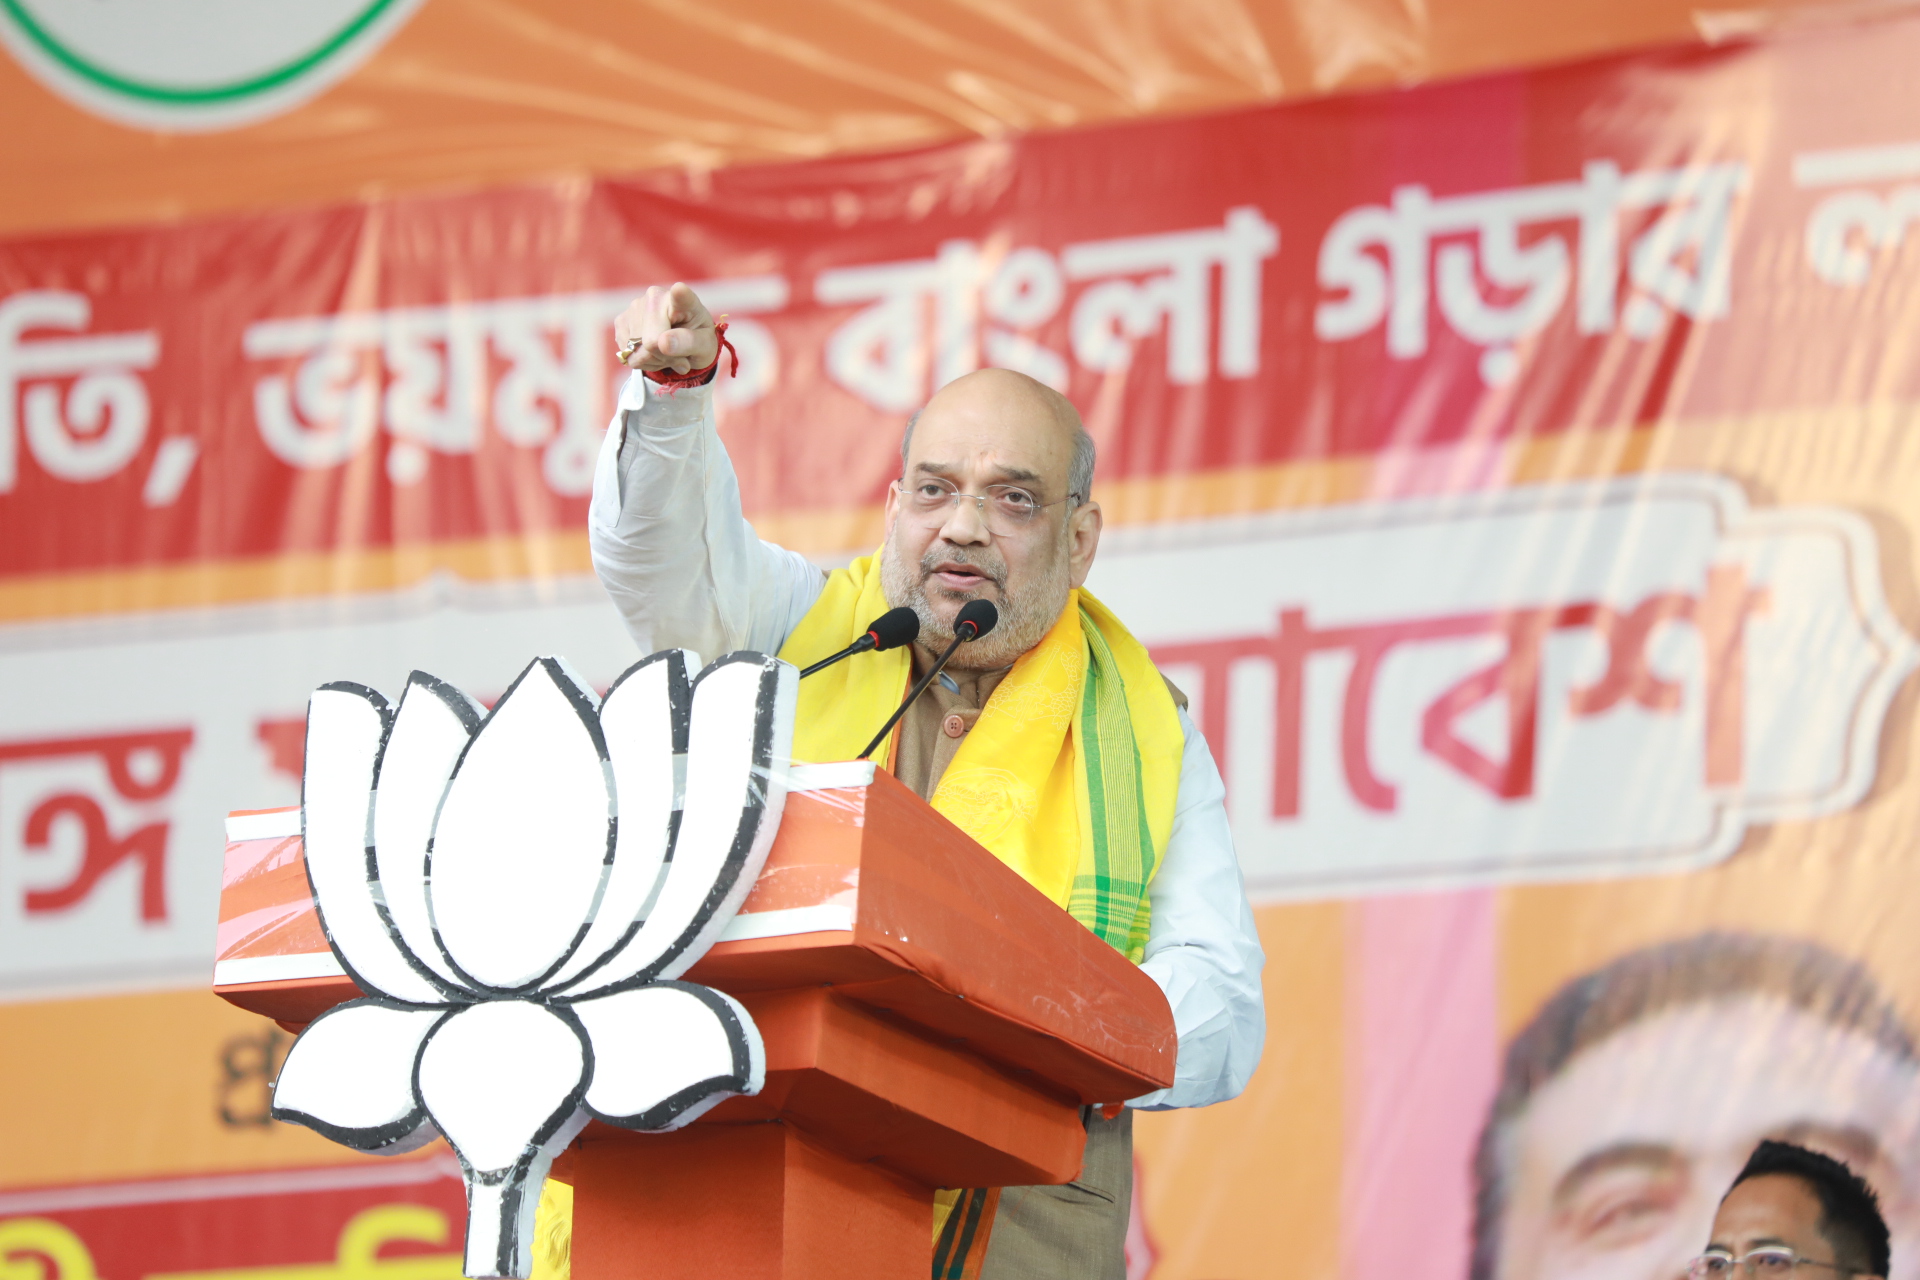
x=431, y=727
x=346, y=723
x=349, y=1077
x=739, y=745
x=500, y=1078
x=503, y=1081
x=524, y=841
x=664, y=1054
x=644, y=719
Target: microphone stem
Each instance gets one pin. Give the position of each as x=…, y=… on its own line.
x=861, y=645
x=912, y=694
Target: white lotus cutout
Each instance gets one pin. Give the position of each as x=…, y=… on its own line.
x=518, y=889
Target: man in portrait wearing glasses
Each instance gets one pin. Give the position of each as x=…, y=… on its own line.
x=1790, y=1211
x=1637, y=1093
x=1057, y=702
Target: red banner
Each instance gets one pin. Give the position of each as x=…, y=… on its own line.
x=1614, y=243
x=401, y=1222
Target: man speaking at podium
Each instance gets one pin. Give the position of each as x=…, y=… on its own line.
x=1052, y=739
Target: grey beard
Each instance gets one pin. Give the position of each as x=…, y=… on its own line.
x=1025, y=616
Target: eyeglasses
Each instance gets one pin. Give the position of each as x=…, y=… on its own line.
x=1005, y=508
x=1768, y=1262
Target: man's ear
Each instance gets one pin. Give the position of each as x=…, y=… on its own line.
x=1083, y=540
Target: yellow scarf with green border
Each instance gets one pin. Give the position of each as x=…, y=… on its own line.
x=1070, y=774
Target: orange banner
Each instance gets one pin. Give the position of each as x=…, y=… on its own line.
x=1517, y=474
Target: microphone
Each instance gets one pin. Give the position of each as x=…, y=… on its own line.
x=975, y=619
x=890, y=630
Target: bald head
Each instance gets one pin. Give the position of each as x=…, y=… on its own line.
x=999, y=403
x=991, y=433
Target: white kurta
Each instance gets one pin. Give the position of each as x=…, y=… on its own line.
x=677, y=555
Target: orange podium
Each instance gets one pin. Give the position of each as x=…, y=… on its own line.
x=930, y=1020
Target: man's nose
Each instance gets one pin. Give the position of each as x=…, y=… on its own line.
x=966, y=525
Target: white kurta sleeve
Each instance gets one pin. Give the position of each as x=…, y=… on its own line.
x=674, y=550
x=670, y=542
x=1202, y=947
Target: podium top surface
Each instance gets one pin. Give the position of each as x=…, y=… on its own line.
x=867, y=890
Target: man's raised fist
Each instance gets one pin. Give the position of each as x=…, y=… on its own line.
x=668, y=329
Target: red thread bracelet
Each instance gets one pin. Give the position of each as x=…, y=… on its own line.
x=697, y=377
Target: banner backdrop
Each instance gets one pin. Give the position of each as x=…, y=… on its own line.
x=154, y=110
x=1518, y=474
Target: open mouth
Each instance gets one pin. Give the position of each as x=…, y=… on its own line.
x=958, y=577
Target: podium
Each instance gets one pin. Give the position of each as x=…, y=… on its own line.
x=930, y=1021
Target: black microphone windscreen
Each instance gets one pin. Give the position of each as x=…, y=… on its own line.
x=979, y=616
x=894, y=628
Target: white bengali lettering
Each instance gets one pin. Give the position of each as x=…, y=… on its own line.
x=927, y=321
x=81, y=400
x=1385, y=264
x=537, y=370
x=1848, y=229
